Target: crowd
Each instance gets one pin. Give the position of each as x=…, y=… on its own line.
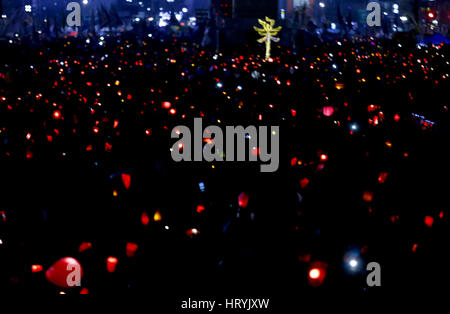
x=86, y=169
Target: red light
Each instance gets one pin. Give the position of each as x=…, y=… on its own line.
x=131, y=249
x=172, y=111
x=200, y=208
x=95, y=130
x=382, y=177
x=429, y=221
x=431, y=15
x=56, y=114
x=368, y=196
x=166, y=104
x=323, y=157
x=145, y=219
x=317, y=273
x=304, y=183
x=111, y=263
x=243, y=200
x=328, y=111
x=36, y=268
x=84, y=246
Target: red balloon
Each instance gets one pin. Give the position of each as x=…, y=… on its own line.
x=126, y=179
x=243, y=200
x=65, y=273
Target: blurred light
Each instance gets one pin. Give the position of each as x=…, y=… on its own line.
x=85, y=2
x=314, y=273
x=395, y=6
x=157, y=216
x=201, y=185
x=28, y=8
x=431, y=15
x=36, y=268
x=111, y=263
x=322, y=5
x=333, y=25
x=185, y=10
x=353, y=263
x=403, y=18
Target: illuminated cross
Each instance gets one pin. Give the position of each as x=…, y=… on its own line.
x=268, y=33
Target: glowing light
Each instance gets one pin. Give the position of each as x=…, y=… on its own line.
x=322, y=5
x=145, y=219
x=429, y=221
x=314, y=273
x=131, y=249
x=157, y=216
x=328, y=111
x=323, y=157
x=56, y=114
x=111, y=263
x=200, y=208
x=353, y=263
x=36, y=268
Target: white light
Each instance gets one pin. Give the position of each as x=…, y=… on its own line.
x=353, y=263
x=137, y=19
x=28, y=8
x=403, y=18
x=322, y=5
x=85, y=2
x=150, y=35
x=395, y=6
x=178, y=16
x=354, y=127
x=395, y=11
x=219, y=85
x=4, y=16
x=185, y=10
x=333, y=25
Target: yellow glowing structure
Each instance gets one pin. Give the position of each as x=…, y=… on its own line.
x=268, y=32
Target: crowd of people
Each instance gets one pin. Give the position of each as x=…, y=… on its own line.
x=86, y=169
